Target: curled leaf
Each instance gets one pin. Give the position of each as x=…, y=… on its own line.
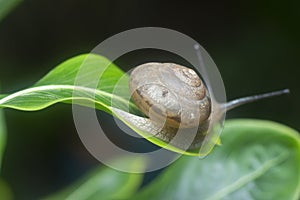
x=59, y=85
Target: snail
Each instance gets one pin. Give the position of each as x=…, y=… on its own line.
x=175, y=98
x=172, y=92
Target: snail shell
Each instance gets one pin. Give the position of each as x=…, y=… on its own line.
x=170, y=93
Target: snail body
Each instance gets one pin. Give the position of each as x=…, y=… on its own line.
x=174, y=98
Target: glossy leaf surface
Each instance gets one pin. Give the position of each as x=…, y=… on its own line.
x=258, y=160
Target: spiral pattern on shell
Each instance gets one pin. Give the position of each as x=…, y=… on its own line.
x=170, y=93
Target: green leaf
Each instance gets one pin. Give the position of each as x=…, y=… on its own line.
x=63, y=84
x=6, y=6
x=5, y=191
x=58, y=86
x=105, y=183
x=2, y=136
x=258, y=160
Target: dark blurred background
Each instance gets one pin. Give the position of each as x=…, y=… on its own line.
x=254, y=43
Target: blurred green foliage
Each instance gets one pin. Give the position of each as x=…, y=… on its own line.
x=5, y=191
x=2, y=136
x=255, y=44
x=105, y=183
x=6, y=6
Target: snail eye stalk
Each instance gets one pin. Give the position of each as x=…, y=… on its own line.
x=244, y=100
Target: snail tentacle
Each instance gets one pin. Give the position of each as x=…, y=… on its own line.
x=244, y=100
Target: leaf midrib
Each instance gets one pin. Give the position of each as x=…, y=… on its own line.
x=56, y=87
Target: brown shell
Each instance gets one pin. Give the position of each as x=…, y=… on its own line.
x=171, y=94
